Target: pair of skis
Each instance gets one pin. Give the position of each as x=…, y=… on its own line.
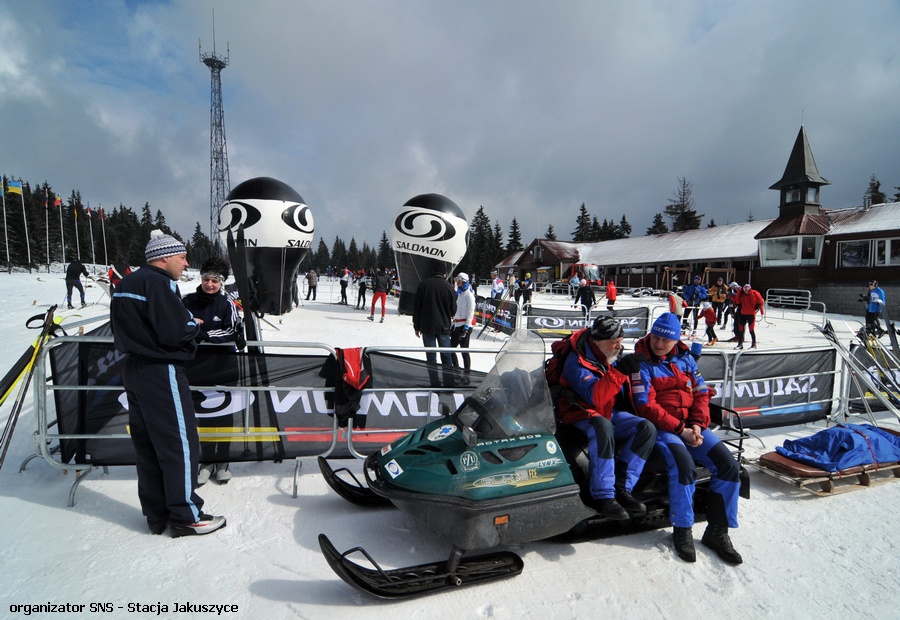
x=859, y=374
x=22, y=372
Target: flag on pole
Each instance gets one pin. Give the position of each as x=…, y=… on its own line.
x=101, y=213
x=57, y=202
x=88, y=211
x=15, y=187
x=74, y=211
x=46, y=200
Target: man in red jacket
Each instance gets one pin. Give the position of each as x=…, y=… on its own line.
x=590, y=385
x=746, y=304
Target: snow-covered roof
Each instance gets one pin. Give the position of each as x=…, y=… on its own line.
x=731, y=241
x=877, y=218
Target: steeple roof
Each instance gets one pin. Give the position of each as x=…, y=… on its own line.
x=801, y=167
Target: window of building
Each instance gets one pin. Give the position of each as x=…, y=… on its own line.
x=854, y=253
x=792, y=195
x=537, y=253
x=887, y=252
x=812, y=195
x=790, y=251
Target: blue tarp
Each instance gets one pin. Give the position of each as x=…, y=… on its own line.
x=844, y=446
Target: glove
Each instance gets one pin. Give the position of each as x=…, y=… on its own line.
x=630, y=364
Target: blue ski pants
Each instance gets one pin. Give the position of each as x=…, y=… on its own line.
x=617, y=451
x=724, y=486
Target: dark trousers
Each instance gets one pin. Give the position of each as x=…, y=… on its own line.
x=459, y=337
x=166, y=443
x=70, y=284
x=311, y=291
x=873, y=324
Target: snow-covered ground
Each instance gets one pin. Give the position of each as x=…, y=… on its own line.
x=804, y=556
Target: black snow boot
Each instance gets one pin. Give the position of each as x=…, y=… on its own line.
x=627, y=501
x=684, y=543
x=610, y=509
x=716, y=538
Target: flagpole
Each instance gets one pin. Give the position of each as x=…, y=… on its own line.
x=77, y=240
x=91, y=229
x=25, y=219
x=47, y=224
x=103, y=228
x=6, y=231
x=62, y=234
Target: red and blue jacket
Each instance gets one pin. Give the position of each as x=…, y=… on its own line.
x=670, y=391
x=588, y=374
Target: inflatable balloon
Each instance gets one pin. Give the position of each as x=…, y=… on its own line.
x=278, y=232
x=430, y=234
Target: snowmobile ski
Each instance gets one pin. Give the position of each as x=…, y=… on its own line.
x=413, y=581
x=358, y=493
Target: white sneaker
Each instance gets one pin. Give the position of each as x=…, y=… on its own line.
x=206, y=525
x=204, y=474
x=222, y=473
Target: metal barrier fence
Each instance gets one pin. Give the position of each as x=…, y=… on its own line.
x=46, y=432
x=798, y=301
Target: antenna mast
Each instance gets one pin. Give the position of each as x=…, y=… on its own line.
x=219, y=181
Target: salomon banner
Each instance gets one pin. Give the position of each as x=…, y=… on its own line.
x=779, y=389
x=281, y=405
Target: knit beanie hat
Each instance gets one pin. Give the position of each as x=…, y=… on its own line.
x=463, y=276
x=606, y=328
x=162, y=245
x=667, y=326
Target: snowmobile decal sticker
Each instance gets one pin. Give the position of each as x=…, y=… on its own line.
x=518, y=478
x=393, y=468
x=385, y=449
x=442, y=433
x=469, y=461
x=551, y=447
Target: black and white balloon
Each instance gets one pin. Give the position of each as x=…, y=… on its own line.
x=278, y=232
x=430, y=234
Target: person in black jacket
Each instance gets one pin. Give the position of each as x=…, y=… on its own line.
x=157, y=335
x=73, y=280
x=433, y=309
x=219, y=323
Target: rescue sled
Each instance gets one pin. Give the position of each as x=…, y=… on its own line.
x=492, y=474
x=822, y=482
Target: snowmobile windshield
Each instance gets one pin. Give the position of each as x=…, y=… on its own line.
x=513, y=399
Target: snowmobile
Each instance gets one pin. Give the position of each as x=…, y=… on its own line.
x=494, y=473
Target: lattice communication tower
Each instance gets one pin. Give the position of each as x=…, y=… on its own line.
x=219, y=181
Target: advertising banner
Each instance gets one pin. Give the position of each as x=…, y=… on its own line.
x=283, y=410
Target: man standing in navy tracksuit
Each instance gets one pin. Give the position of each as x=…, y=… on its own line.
x=157, y=335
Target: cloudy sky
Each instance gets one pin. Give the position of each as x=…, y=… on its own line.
x=527, y=108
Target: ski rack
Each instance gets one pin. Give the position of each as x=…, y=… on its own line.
x=859, y=374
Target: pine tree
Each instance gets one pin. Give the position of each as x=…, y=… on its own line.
x=582, y=232
x=658, y=226
x=712, y=223
x=550, y=235
x=624, y=228
x=681, y=210
x=515, y=237
x=385, y=256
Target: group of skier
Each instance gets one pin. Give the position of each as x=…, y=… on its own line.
x=714, y=305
